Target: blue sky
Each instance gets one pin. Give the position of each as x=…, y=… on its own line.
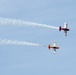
x=29, y=60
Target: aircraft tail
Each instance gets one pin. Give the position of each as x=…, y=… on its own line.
x=59, y=28
x=49, y=47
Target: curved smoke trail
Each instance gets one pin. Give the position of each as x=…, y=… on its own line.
x=19, y=43
x=8, y=21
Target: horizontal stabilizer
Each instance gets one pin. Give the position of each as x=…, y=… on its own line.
x=49, y=47
x=59, y=28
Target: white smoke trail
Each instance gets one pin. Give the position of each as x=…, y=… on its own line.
x=22, y=43
x=8, y=21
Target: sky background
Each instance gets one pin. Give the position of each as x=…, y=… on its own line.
x=30, y=60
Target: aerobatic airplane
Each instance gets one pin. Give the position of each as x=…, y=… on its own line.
x=54, y=47
x=65, y=28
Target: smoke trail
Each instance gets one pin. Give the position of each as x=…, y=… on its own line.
x=19, y=43
x=8, y=21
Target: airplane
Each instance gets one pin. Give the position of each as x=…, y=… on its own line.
x=65, y=28
x=54, y=47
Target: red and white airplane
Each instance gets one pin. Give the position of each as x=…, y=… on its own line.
x=65, y=28
x=54, y=47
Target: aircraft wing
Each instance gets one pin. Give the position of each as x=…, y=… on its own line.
x=65, y=25
x=65, y=33
x=54, y=51
x=54, y=44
